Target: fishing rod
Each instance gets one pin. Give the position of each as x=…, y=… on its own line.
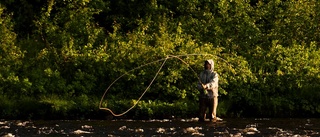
x=160, y=68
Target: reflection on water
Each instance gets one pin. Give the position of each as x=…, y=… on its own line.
x=166, y=127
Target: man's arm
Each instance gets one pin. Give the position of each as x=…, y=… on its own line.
x=213, y=83
x=201, y=86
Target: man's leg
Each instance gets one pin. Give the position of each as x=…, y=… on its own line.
x=215, y=105
x=202, y=109
x=210, y=105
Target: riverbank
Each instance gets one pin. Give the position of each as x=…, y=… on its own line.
x=85, y=107
x=166, y=127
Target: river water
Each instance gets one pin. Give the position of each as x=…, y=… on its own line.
x=179, y=127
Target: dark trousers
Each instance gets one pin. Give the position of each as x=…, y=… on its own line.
x=204, y=103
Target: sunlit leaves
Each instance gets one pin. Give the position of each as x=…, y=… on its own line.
x=10, y=57
x=263, y=49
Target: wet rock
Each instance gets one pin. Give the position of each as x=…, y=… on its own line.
x=307, y=124
x=160, y=130
x=4, y=127
x=47, y=130
x=195, y=119
x=122, y=128
x=165, y=120
x=22, y=123
x=139, y=130
x=194, y=131
x=3, y=123
x=315, y=133
x=130, y=129
x=251, y=129
x=190, y=130
x=9, y=135
x=31, y=127
x=81, y=132
x=284, y=133
x=236, y=135
x=250, y=133
x=86, y=126
x=197, y=134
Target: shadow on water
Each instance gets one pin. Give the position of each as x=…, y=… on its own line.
x=166, y=127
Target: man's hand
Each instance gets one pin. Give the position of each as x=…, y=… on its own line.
x=204, y=86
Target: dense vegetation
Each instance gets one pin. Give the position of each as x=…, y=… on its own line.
x=58, y=57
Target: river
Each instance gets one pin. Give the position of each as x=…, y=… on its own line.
x=229, y=127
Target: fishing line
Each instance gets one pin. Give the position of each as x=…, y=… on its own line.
x=165, y=59
x=187, y=65
x=160, y=68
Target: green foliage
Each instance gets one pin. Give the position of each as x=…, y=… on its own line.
x=10, y=58
x=8, y=107
x=62, y=55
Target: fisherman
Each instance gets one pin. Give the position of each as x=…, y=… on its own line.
x=208, y=87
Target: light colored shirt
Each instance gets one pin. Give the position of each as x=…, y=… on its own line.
x=210, y=79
